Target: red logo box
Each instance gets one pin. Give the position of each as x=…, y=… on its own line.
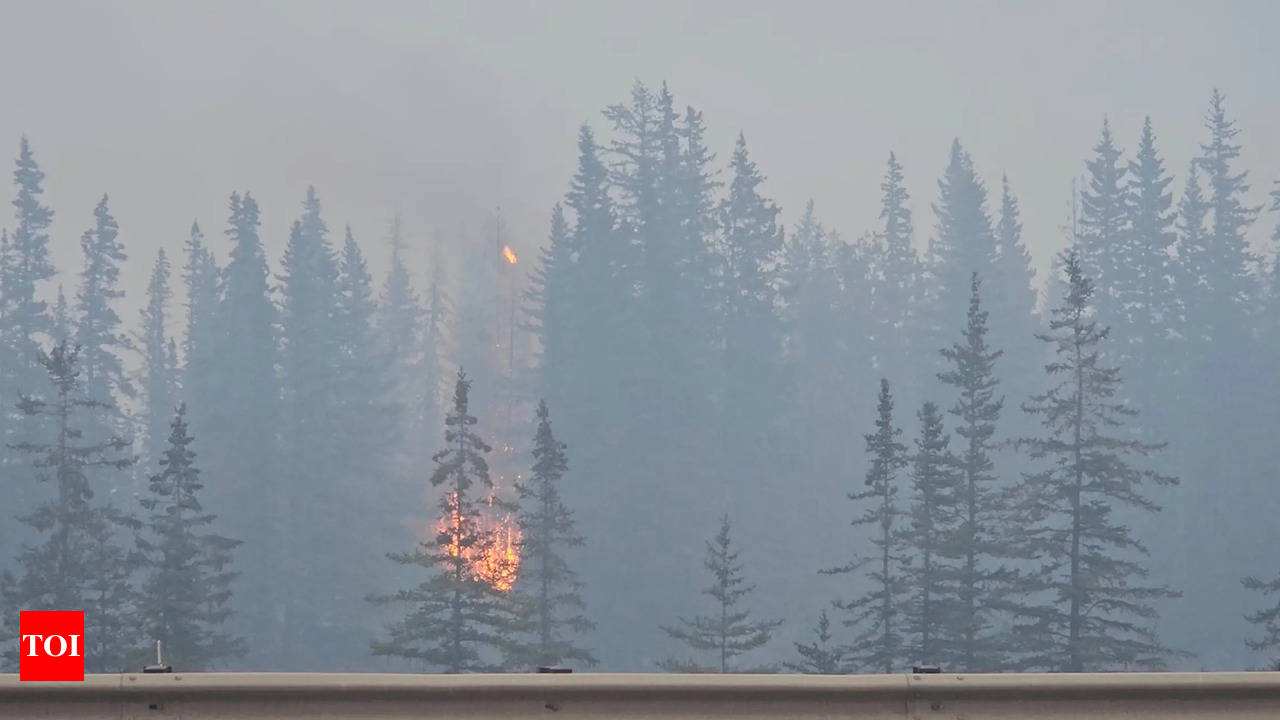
x=51, y=646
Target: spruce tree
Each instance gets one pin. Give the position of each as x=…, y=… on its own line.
x=729, y=632
x=963, y=243
x=239, y=439
x=202, y=285
x=895, y=278
x=159, y=371
x=78, y=562
x=1227, y=266
x=399, y=322
x=186, y=593
x=1266, y=620
x=1104, y=222
x=822, y=657
x=457, y=621
x=1089, y=608
x=1145, y=292
x=752, y=385
x=875, y=614
x=934, y=518
x=978, y=540
x=547, y=590
x=24, y=317
x=99, y=334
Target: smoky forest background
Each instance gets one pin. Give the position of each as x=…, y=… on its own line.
x=671, y=426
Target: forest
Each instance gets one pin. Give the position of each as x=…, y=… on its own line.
x=682, y=437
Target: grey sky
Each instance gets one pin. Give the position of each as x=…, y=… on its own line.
x=446, y=110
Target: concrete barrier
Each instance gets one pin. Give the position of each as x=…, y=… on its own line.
x=205, y=696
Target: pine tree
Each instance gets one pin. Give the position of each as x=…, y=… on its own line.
x=822, y=657
x=1011, y=289
x=160, y=372
x=24, y=318
x=311, y=443
x=78, y=562
x=934, y=518
x=102, y=342
x=752, y=385
x=1193, y=248
x=729, y=632
x=399, y=322
x=202, y=283
x=895, y=278
x=547, y=590
x=239, y=441
x=964, y=243
x=1226, y=269
x=186, y=593
x=457, y=621
x=978, y=540
x=1104, y=222
x=1091, y=609
x=878, y=644
x=1266, y=620
x=1145, y=292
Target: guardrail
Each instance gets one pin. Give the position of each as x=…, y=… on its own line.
x=205, y=696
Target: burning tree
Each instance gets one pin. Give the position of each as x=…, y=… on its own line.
x=460, y=618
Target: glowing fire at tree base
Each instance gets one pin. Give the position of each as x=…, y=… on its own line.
x=495, y=557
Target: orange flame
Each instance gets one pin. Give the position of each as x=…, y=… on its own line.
x=495, y=559
x=509, y=254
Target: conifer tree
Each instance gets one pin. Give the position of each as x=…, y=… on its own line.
x=399, y=323
x=896, y=277
x=78, y=561
x=186, y=593
x=1145, y=291
x=456, y=621
x=933, y=520
x=159, y=372
x=239, y=440
x=1089, y=607
x=875, y=614
x=547, y=590
x=1227, y=266
x=102, y=342
x=24, y=317
x=1266, y=620
x=822, y=657
x=1104, y=222
x=1193, y=248
x=963, y=243
x=729, y=631
x=202, y=284
x=978, y=541
x=751, y=349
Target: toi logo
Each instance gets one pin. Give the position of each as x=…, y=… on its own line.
x=51, y=646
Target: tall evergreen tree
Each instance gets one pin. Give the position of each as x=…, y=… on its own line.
x=1104, y=223
x=729, y=631
x=399, y=323
x=875, y=614
x=895, y=279
x=547, y=590
x=457, y=621
x=78, y=562
x=1093, y=610
x=241, y=434
x=963, y=243
x=822, y=657
x=186, y=594
x=751, y=389
x=202, y=283
x=159, y=370
x=1228, y=264
x=933, y=519
x=99, y=333
x=24, y=318
x=978, y=539
x=1144, y=292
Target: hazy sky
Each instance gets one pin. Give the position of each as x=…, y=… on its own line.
x=445, y=110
